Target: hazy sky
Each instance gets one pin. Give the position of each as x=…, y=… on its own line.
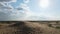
x=29, y=10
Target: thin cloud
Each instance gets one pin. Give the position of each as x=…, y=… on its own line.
x=21, y=12
x=7, y=1
x=8, y=12
x=26, y=1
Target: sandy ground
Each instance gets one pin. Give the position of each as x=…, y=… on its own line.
x=27, y=28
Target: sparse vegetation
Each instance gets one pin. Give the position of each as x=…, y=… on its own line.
x=50, y=25
x=27, y=28
x=58, y=27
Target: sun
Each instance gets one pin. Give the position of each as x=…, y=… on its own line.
x=44, y=3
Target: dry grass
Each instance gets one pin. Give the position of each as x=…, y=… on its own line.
x=27, y=28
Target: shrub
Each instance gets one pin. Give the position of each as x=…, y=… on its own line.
x=50, y=25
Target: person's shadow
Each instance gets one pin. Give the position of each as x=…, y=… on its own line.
x=22, y=28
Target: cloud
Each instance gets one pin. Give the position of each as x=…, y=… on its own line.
x=49, y=16
x=5, y=7
x=8, y=12
x=21, y=12
x=25, y=10
x=7, y=1
x=26, y=1
x=4, y=12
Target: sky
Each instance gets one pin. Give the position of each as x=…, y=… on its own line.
x=17, y=10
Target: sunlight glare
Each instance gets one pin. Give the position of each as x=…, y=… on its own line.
x=44, y=3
